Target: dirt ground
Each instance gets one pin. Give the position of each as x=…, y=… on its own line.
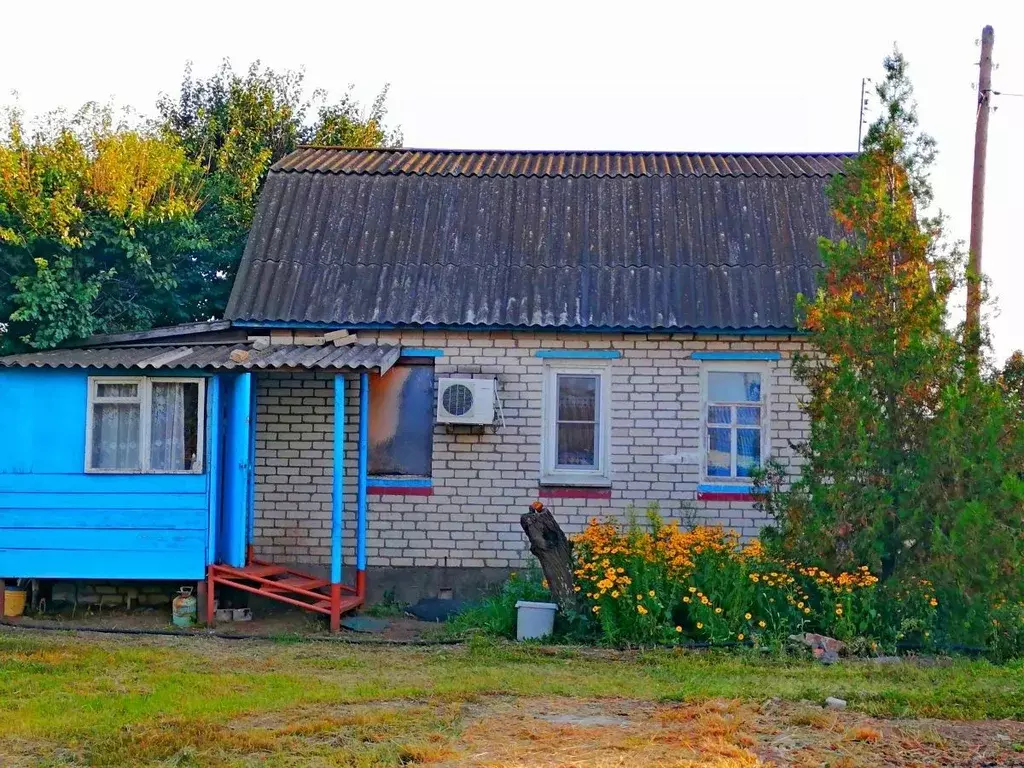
x=273, y=624
x=726, y=733
x=502, y=706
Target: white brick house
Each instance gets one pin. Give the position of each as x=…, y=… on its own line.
x=635, y=312
x=553, y=256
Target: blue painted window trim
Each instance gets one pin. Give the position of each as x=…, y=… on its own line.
x=737, y=355
x=422, y=352
x=578, y=354
x=737, y=488
x=399, y=482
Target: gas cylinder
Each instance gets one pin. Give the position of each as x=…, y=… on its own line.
x=183, y=608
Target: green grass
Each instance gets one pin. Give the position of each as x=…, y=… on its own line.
x=133, y=701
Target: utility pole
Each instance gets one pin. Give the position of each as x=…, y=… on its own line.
x=973, y=327
x=863, y=103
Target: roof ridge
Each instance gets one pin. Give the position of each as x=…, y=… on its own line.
x=510, y=163
x=690, y=152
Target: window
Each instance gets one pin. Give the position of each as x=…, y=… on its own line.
x=145, y=425
x=575, y=447
x=734, y=421
x=401, y=421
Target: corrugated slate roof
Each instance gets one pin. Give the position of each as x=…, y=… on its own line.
x=445, y=162
x=512, y=239
x=213, y=356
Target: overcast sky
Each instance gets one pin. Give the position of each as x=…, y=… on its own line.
x=710, y=76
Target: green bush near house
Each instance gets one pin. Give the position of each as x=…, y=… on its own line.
x=656, y=583
x=496, y=614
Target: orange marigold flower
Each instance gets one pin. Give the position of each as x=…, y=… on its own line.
x=739, y=636
x=746, y=616
x=700, y=625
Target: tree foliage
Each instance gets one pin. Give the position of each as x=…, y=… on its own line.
x=110, y=225
x=913, y=464
x=96, y=224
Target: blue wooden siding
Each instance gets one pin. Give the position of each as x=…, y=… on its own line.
x=56, y=521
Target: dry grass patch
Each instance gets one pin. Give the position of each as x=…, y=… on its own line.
x=116, y=701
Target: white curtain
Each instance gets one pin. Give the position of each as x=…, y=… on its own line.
x=167, y=428
x=115, y=438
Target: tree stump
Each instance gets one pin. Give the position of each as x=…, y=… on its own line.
x=550, y=546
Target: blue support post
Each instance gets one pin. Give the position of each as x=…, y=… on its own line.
x=250, y=512
x=337, y=499
x=364, y=440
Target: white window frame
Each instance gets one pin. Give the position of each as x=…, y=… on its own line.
x=145, y=400
x=734, y=366
x=550, y=473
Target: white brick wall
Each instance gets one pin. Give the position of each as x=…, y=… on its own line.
x=483, y=480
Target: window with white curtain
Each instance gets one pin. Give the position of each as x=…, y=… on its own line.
x=577, y=424
x=145, y=424
x=735, y=428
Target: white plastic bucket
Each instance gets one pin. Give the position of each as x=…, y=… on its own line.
x=535, y=620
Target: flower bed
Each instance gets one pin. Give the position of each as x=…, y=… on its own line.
x=660, y=583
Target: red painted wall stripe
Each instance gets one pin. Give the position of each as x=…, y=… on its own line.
x=726, y=497
x=574, y=493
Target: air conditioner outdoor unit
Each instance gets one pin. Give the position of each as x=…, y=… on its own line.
x=465, y=401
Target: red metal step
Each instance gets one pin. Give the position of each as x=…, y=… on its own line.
x=285, y=585
x=292, y=581
x=264, y=571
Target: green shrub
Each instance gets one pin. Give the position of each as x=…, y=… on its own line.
x=659, y=583
x=496, y=614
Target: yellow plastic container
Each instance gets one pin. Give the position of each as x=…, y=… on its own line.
x=14, y=601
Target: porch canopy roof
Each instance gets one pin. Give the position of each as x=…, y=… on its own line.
x=240, y=356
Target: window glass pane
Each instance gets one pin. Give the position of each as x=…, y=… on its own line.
x=401, y=428
x=719, y=452
x=747, y=414
x=577, y=397
x=734, y=387
x=117, y=390
x=174, y=426
x=577, y=445
x=115, y=436
x=719, y=414
x=748, y=451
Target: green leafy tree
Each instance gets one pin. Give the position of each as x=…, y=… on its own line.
x=1011, y=379
x=235, y=126
x=95, y=227
x=913, y=462
x=108, y=226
